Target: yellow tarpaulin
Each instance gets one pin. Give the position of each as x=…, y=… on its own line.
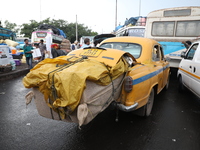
x=63, y=81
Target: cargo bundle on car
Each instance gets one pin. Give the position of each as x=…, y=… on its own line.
x=76, y=89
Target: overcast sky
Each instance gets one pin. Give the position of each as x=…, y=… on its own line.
x=98, y=15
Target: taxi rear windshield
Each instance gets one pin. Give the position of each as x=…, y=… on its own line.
x=133, y=49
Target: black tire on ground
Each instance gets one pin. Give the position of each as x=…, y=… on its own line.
x=181, y=87
x=167, y=85
x=149, y=105
x=145, y=111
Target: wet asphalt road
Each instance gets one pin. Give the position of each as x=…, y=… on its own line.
x=173, y=125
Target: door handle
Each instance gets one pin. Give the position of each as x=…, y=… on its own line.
x=194, y=69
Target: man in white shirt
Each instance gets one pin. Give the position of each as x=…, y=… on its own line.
x=86, y=43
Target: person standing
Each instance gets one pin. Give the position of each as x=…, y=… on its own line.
x=86, y=43
x=187, y=44
x=75, y=45
x=42, y=47
x=28, y=53
x=66, y=45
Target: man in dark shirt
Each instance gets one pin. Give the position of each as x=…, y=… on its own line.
x=28, y=53
x=42, y=47
x=187, y=44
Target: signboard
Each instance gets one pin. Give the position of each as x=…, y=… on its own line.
x=91, y=52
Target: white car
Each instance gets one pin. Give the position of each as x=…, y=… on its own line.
x=189, y=69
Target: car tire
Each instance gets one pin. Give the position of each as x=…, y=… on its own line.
x=167, y=84
x=149, y=105
x=181, y=87
x=146, y=109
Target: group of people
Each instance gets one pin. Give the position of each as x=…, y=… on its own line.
x=28, y=50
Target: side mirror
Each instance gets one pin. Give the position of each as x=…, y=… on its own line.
x=183, y=54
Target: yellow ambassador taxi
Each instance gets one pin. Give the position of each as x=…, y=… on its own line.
x=148, y=75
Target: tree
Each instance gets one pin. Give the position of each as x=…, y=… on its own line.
x=12, y=26
x=68, y=28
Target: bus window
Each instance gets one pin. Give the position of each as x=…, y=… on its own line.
x=188, y=28
x=163, y=28
x=174, y=13
x=180, y=31
x=170, y=28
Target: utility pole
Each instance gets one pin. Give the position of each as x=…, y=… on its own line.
x=40, y=12
x=116, y=16
x=139, y=6
x=76, y=30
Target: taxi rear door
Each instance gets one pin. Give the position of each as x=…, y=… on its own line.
x=159, y=64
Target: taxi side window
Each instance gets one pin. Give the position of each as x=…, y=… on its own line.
x=156, y=54
x=191, y=52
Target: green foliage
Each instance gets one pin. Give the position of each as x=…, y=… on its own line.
x=68, y=28
x=12, y=26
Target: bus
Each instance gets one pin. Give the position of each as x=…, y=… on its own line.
x=170, y=27
x=40, y=34
x=138, y=31
x=7, y=34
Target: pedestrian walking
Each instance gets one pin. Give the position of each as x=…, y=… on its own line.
x=42, y=47
x=75, y=45
x=28, y=53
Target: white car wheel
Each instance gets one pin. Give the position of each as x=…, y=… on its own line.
x=181, y=87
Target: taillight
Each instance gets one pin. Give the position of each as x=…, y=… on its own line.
x=128, y=81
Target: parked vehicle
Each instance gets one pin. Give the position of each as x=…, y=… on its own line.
x=170, y=27
x=189, y=69
x=147, y=77
x=100, y=37
x=126, y=72
x=138, y=31
x=43, y=30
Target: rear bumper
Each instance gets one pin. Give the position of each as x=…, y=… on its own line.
x=127, y=108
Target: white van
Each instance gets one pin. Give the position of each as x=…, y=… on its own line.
x=189, y=69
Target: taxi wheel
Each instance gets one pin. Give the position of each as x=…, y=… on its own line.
x=167, y=84
x=149, y=105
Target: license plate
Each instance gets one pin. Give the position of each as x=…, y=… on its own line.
x=91, y=52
